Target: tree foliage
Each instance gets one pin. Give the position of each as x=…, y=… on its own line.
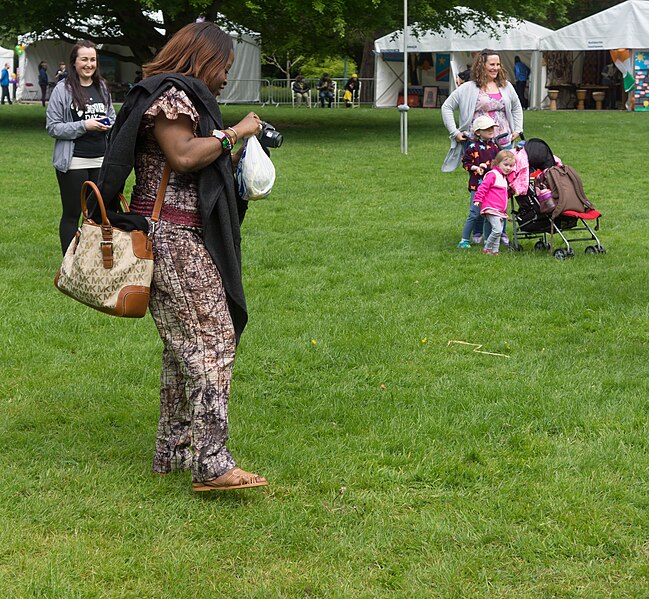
x=298, y=27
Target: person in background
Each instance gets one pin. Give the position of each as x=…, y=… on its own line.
x=170, y=124
x=15, y=80
x=488, y=93
x=301, y=91
x=477, y=160
x=522, y=74
x=325, y=90
x=43, y=80
x=79, y=115
x=463, y=77
x=351, y=90
x=610, y=78
x=492, y=197
x=62, y=73
x=4, y=83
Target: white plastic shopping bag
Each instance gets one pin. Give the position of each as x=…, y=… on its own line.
x=255, y=172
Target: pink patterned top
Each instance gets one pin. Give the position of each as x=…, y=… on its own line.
x=492, y=105
x=181, y=198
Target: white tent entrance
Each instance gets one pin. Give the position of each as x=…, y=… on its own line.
x=437, y=57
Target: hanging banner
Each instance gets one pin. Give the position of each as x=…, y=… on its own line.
x=442, y=67
x=622, y=60
x=641, y=95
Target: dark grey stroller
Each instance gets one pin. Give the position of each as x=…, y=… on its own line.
x=532, y=220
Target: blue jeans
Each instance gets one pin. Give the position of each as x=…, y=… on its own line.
x=328, y=96
x=474, y=222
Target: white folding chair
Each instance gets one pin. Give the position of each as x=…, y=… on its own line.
x=31, y=92
x=356, y=96
x=296, y=99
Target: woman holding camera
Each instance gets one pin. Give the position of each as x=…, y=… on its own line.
x=171, y=125
x=80, y=134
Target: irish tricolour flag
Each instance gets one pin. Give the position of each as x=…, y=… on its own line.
x=622, y=60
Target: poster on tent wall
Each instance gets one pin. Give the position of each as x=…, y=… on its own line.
x=641, y=69
x=442, y=67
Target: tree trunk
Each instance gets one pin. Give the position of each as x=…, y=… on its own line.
x=366, y=67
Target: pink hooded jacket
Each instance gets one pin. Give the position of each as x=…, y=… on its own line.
x=492, y=193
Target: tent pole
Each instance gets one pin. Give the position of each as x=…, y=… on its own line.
x=403, y=108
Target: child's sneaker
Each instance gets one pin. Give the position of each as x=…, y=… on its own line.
x=488, y=252
x=504, y=240
x=476, y=238
x=464, y=245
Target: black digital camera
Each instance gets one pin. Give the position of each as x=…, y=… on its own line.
x=269, y=137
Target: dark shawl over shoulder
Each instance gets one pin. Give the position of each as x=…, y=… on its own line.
x=222, y=210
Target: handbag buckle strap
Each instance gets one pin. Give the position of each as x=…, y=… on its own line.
x=106, y=245
x=107, y=253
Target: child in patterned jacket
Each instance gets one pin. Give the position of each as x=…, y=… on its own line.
x=477, y=158
x=492, y=197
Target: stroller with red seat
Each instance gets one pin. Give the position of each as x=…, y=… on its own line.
x=554, y=203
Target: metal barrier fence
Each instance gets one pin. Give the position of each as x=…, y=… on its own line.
x=246, y=91
x=281, y=93
x=265, y=91
x=278, y=91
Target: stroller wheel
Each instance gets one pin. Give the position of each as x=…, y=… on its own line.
x=514, y=246
x=591, y=249
x=541, y=246
x=560, y=254
x=571, y=253
x=600, y=249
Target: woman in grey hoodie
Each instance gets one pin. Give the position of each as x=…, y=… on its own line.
x=79, y=115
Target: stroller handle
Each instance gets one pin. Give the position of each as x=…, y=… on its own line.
x=498, y=139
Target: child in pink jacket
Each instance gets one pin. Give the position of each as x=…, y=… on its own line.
x=492, y=197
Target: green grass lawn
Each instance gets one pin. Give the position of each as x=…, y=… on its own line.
x=399, y=465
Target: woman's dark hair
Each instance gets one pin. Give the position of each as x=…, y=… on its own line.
x=198, y=50
x=479, y=69
x=79, y=96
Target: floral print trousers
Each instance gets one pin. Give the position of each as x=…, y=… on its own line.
x=189, y=307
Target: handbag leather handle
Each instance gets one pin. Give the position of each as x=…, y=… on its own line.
x=157, y=207
x=106, y=227
x=100, y=202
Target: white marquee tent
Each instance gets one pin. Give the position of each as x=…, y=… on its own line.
x=6, y=55
x=520, y=39
x=243, y=86
x=625, y=25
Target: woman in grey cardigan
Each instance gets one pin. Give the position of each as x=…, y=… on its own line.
x=487, y=94
x=79, y=115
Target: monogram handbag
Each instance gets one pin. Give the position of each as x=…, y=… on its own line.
x=107, y=268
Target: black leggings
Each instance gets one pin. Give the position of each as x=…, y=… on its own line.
x=70, y=186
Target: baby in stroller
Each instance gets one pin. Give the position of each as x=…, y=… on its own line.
x=549, y=198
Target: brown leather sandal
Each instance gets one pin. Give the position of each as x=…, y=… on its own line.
x=235, y=478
